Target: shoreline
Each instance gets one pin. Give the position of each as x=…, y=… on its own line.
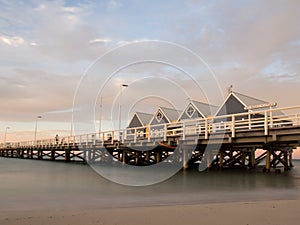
x=271, y=212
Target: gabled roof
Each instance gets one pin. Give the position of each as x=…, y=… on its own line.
x=169, y=113
x=204, y=108
x=247, y=100
x=140, y=119
x=144, y=118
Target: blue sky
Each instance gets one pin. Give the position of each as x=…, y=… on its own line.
x=46, y=46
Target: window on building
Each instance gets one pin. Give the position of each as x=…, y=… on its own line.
x=159, y=116
x=190, y=111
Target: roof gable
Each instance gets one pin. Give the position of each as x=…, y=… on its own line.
x=196, y=109
x=165, y=115
x=171, y=114
x=247, y=100
x=140, y=119
x=135, y=122
x=231, y=106
x=236, y=102
x=145, y=118
x=205, y=109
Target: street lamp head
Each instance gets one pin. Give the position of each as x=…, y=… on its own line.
x=124, y=85
x=39, y=117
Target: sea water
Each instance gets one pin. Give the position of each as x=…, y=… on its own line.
x=45, y=185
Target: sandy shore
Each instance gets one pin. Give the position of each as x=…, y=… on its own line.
x=283, y=212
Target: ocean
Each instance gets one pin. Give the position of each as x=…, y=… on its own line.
x=45, y=185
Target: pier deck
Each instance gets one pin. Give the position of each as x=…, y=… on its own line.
x=223, y=141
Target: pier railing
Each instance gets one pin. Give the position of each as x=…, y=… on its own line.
x=204, y=127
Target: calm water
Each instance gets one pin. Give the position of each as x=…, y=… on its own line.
x=34, y=185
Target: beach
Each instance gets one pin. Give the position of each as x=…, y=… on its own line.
x=280, y=212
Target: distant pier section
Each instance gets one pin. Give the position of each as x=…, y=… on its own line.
x=243, y=132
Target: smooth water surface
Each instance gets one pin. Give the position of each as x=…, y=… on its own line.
x=41, y=185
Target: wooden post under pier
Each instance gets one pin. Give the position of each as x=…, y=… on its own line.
x=67, y=155
x=290, y=155
x=185, y=164
x=221, y=158
x=52, y=154
x=285, y=159
x=252, y=158
x=268, y=161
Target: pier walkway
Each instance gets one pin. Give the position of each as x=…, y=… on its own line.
x=245, y=140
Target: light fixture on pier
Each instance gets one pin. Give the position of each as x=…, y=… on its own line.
x=35, y=132
x=5, y=133
x=120, y=105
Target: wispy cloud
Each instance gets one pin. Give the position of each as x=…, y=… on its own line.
x=99, y=40
x=12, y=41
x=47, y=45
x=113, y=4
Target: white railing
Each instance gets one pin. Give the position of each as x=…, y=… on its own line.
x=264, y=120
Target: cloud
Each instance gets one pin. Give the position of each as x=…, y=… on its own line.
x=58, y=32
x=29, y=92
x=113, y=4
x=255, y=26
x=68, y=37
x=239, y=40
x=99, y=40
x=46, y=45
x=12, y=41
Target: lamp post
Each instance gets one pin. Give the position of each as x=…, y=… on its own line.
x=71, y=128
x=38, y=117
x=5, y=133
x=100, y=116
x=120, y=106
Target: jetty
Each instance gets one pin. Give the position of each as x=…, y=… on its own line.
x=259, y=134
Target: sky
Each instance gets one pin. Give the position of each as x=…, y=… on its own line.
x=47, y=47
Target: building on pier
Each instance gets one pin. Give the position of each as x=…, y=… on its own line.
x=165, y=115
x=196, y=109
x=162, y=117
x=140, y=119
x=239, y=103
x=139, y=124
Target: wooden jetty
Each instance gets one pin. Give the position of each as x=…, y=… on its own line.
x=243, y=140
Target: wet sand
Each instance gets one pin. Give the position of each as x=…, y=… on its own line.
x=280, y=212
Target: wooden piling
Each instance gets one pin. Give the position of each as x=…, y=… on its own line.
x=158, y=157
x=285, y=160
x=89, y=155
x=252, y=158
x=147, y=158
x=67, y=155
x=268, y=161
x=52, y=154
x=40, y=154
x=291, y=158
x=221, y=158
x=208, y=159
x=124, y=157
x=136, y=157
x=184, y=159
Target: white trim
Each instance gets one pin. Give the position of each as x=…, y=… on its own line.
x=139, y=118
x=223, y=104
x=190, y=102
x=154, y=116
x=239, y=99
x=159, y=116
x=198, y=109
x=135, y=114
x=190, y=106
